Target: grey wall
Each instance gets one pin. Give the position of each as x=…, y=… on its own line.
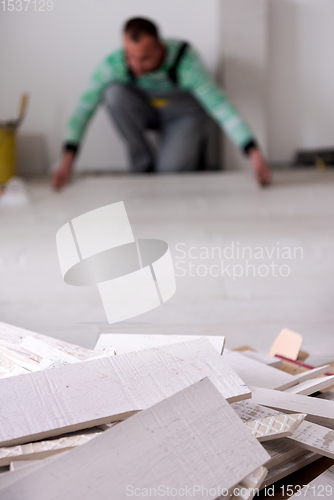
x=300, y=76
x=244, y=42
x=277, y=60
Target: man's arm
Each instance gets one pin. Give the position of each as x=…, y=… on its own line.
x=102, y=77
x=194, y=78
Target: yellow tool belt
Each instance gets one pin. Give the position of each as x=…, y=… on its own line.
x=159, y=102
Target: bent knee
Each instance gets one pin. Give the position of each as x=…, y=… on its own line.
x=115, y=94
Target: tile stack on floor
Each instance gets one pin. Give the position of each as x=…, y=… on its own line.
x=145, y=416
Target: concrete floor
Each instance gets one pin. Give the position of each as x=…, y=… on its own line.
x=204, y=210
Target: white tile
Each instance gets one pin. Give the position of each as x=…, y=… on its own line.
x=115, y=387
x=162, y=445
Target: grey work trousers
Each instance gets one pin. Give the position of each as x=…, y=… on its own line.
x=182, y=124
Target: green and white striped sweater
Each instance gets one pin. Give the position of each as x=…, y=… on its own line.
x=192, y=77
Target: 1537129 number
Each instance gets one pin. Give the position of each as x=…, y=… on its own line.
x=24, y=5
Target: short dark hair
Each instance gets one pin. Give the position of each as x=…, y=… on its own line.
x=139, y=26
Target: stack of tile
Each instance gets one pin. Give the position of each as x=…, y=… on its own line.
x=155, y=416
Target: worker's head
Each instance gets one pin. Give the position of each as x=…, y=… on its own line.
x=142, y=45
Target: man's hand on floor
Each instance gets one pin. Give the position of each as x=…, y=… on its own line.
x=62, y=175
x=260, y=167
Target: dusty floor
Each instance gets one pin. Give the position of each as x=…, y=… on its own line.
x=225, y=211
